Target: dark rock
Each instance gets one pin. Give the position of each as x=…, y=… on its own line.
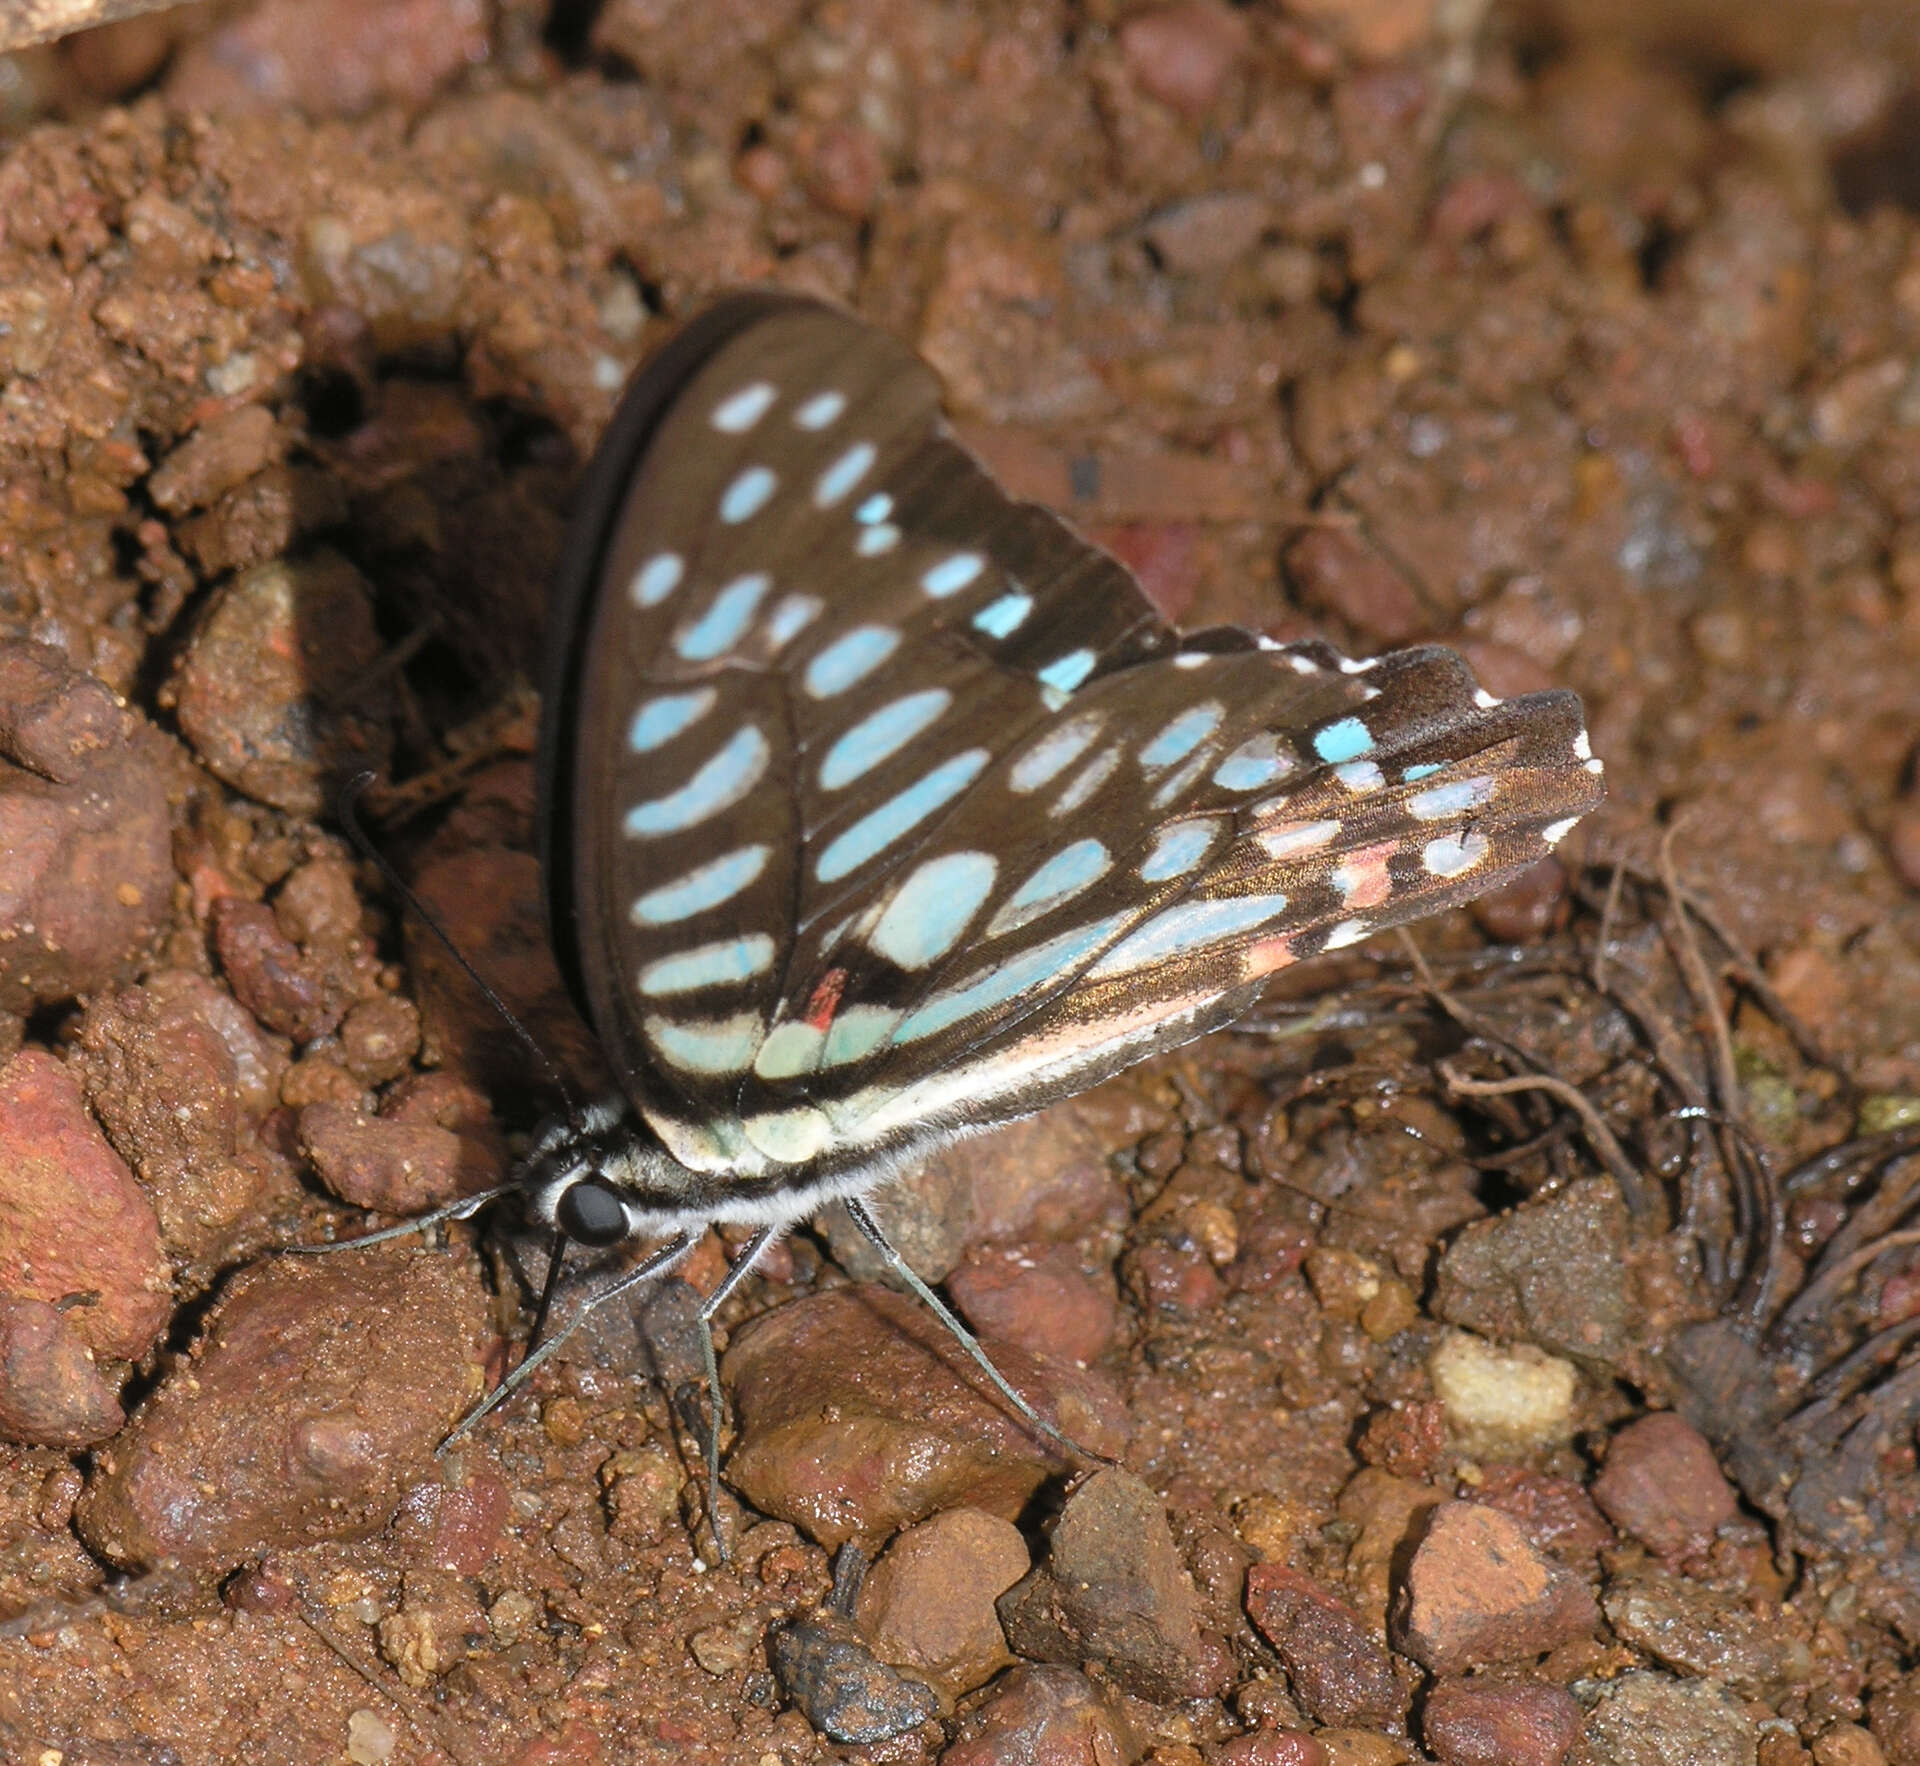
x=1703, y=1632
x=1114, y=1591
x=1651, y=1720
x=84, y=824
x=1499, y=1723
x=1547, y=1273
x=51, y=1394
x=1340, y=1672
x=1040, y=1716
x=928, y=1603
x=846, y=1692
x=1661, y=1484
x=1477, y=1591
x=316, y=1395
x=859, y=1414
x=1037, y=1296
x=274, y=689
x=76, y=1230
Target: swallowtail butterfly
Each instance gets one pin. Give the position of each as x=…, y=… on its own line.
x=879, y=808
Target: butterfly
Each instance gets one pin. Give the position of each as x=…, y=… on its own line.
x=879, y=808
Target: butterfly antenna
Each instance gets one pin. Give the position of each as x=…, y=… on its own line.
x=349, y=808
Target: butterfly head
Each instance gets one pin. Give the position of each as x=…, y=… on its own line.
x=600, y=1178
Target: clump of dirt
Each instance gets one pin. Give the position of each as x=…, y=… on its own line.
x=1507, y=1338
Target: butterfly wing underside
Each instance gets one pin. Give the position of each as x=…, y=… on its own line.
x=882, y=804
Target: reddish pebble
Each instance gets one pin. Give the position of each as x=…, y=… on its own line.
x=391, y=1167
x=1271, y=1747
x=1476, y=1591
x=1183, y=54
x=51, y=1394
x=1527, y=908
x=1494, y=1723
x=76, y=1229
x=1176, y=1278
x=1041, y=1716
x=1407, y=1440
x=455, y=1526
x=1336, y=574
x=1037, y=1296
x=843, y=170
x=927, y=1604
x=1555, y=1513
x=268, y=974
x=1662, y=1485
x=1340, y=1672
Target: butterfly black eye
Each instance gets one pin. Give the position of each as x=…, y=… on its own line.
x=590, y=1212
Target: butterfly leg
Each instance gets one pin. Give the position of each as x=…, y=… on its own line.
x=857, y=1210
x=742, y=1268
x=659, y=1263
x=463, y=1209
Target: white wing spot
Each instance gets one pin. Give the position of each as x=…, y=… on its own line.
x=1555, y=832
x=1057, y=750
x=787, y=621
x=1292, y=839
x=1484, y=699
x=1360, y=776
x=874, y=541
x=1346, y=933
x=790, y=1137
x=1088, y=780
x=740, y=411
x=932, y=909
x=1452, y=854
x=706, y=1045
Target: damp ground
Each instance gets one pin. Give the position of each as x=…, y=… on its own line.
x=1504, y=1342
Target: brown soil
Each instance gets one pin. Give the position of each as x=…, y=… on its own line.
x=1508, y=1339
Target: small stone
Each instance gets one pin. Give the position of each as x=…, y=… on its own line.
x=1037, y=1296
x=315, y=1397
x=1271, y=1747
x=1205, y=235
x=1546, y=1273
x=400, y=1168
x=1338, y=576
x=847, y=1693
x=1476, y=1592
x=1661, y=1485
x=437, y=1625
x=268, y=973
x=1361, y=1747
x=379, y=1038
x=215, y=458
x=1340, y=1672
x=928, y=1604
x=512, y=1617
x=1407, y=1439
x=726, y=1649
x=1113, y=1590
x=1499, y=1723
x=1703, y=1632
x=1556, y=1514
x=273, y=690
x=1184, y=54
x=1040, y=1716
x=454, y=1527
x=1502, y=1402
x=1649, y=1719
x=1846, y=1744
x=859, y=1415
x=76, y=1229
x=51, y=1394
x=370, y=1738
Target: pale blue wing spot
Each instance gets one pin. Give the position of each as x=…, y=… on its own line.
x=706, y=1045
x=849, y=659
x=658, y=721
x=1091, y=777
x=656, y=579
x=789, y=1137
x=1455, y=798
x=882, y=735
x=856, y=1033
x=706, y=886
x=789, y=1051
x=930, y=911
x=878, y=830
x=1004, y=981
x=1292, y=839
x=1256, y=762
x=1176, y=784
x=1187, y=927
x=751, y=492
x=1451, y=854
x=874, y=510
x=953, y=574
x=723, y=624
x=1181, y=737
x=1004, y=617
x=1424, y=770
x=1178, y=850
x=820, y=410
x=1066, y=672
x=844, y=474
x=726, y=778
x=791, y=618
x=1057, y=750
x=1346, y=740
x=1072, y=869
x=1360, y=776
x=874, y=541
x=725, y=963
x=740, y=411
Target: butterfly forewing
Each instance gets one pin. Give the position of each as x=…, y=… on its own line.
x=889, y=802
